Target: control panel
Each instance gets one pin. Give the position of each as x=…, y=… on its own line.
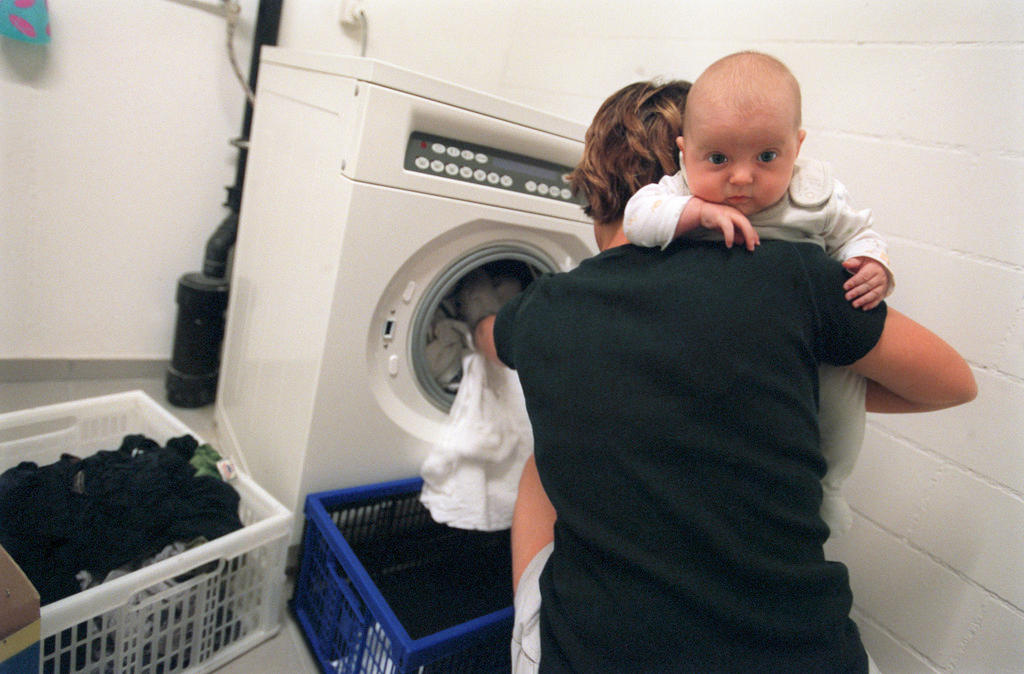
x=488, y=166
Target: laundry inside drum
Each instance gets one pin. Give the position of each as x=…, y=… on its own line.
x=446, y=335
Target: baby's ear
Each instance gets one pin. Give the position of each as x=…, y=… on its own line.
x=800, y=135
x=679, y=144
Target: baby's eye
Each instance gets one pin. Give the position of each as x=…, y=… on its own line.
x=767, y=156
x=717, y=158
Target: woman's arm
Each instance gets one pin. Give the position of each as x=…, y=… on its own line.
x=883, y=401
x=483, y=338
x=533, y=518
x=911, y=369
x=533, y=521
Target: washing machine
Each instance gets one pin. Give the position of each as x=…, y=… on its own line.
x=371, y=192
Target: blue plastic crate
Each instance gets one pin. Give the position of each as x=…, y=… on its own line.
x=383, y=589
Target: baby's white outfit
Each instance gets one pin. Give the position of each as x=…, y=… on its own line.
x=816, y=209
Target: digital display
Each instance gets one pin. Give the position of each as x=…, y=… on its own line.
x=539, y=172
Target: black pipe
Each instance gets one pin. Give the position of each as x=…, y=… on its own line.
x=195, y=360
x=268, y=23
x=218, y=247
x=202, y=298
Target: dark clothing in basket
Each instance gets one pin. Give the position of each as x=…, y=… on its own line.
x=110, y=509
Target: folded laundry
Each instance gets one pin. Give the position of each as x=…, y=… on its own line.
x=108, y=510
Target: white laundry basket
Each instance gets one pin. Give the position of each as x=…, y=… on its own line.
x=190, y=613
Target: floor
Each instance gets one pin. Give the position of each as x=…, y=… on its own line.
x=287, y=651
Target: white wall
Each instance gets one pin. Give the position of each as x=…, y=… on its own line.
x=114, y=156
x=918, y=105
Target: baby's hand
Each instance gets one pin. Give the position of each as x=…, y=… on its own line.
x=869, y=284
x=734, y=225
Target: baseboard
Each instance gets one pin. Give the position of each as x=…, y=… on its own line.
x=61, y=369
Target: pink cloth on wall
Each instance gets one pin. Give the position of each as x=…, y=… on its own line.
x=27, y=20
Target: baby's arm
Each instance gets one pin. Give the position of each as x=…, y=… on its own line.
x=734, y=225
x=652, y=213
x=661, y=212
x=869, y=284
x=850, y=237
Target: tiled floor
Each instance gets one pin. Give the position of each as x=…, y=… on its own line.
x=287, y=651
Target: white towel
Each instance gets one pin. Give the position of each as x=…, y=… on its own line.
x=471, y=478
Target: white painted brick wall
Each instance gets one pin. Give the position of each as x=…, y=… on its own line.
x=992, y=554
x=978, y=225
x=985, y=436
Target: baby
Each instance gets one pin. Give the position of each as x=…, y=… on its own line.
x=741, y=180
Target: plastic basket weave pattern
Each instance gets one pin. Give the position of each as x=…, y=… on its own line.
x=383, y=589
x=192, y=612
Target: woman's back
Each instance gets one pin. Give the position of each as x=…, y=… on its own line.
x=673, y=402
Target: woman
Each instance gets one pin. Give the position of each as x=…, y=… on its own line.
x=673, y=398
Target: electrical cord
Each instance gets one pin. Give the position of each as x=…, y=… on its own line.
x=363, y=30
x=232, y=11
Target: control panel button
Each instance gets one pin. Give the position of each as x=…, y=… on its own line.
x=462, y=160
x=393, y=365
x=409, y=292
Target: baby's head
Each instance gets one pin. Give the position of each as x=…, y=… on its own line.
x=741, y=132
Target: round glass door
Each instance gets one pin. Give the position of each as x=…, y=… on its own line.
x=440, y=336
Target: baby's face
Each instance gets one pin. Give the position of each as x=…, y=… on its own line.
x=741, y=158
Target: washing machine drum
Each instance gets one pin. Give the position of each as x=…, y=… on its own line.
x=441, y=336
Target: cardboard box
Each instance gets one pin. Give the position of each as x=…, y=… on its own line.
x=19, y=619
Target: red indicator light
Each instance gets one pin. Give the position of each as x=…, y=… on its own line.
x=423, y=144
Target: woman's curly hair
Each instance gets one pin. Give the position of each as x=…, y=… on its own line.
x=630, y=143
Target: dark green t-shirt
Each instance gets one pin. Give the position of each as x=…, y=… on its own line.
x=673, y=398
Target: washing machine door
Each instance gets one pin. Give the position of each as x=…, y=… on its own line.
x=417, y=336
x=439, y=336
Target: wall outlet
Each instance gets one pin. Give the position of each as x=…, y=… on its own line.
x=349, y=11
